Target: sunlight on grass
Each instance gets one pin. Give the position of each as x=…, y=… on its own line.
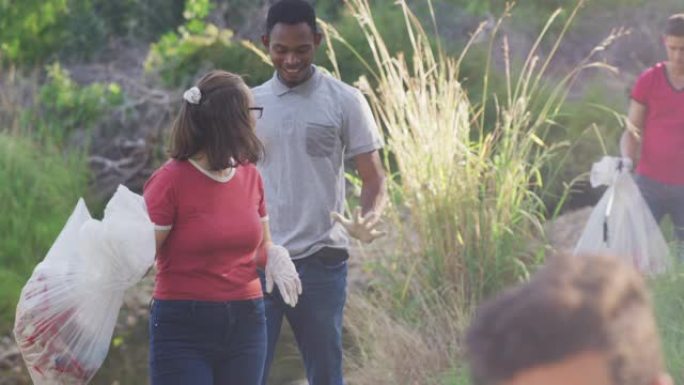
x=466, y=193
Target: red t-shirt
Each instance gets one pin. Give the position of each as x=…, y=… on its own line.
x=215, y=230
x=662, y=146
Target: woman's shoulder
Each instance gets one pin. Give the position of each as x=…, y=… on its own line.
x=171, y=169
x=653, y=71
x=248, y=169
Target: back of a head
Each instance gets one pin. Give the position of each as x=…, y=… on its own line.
x=675, y=25
x=291, y=12
x=219, y=124
x=573, y=305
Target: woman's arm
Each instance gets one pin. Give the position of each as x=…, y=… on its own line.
x=266, y=242
x=630, y=140
x=278, y=268
x=160, y=237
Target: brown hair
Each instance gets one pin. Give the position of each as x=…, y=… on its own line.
x=574, y=304
x=220, y=125
x=675, y=25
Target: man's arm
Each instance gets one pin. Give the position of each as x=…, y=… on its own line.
x=373, y=189
x=364, y=222
x=630, y=140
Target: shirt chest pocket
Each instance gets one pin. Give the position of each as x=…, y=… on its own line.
x=321, y=139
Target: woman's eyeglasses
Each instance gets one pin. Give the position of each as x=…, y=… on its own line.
x=256, y=112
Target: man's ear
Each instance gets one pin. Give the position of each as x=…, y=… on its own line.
x=317, y=38
x=265, y=40
x=663, y=379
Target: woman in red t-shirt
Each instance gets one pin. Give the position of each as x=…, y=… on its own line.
x=207, y=321
x=655, y=134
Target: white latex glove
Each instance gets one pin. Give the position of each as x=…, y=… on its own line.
x=627, y=164
x=362, y=227
x=281, y=271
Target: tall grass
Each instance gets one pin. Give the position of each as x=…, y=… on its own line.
x=38, y=189
x=668, y=298
x=466, y=203
x=39, y=186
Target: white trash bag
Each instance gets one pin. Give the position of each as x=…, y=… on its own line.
x=68, y=308
x=621, y=224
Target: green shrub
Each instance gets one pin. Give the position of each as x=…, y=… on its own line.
x=197, y=46
x=142, y=20
x=668, y=298
x=11, y=283
x=30, y=29
x=36, y=31
x=179, y=58
x=39, y=187
x=63, y=106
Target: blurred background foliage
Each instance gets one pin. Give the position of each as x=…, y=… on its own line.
x=36, y=31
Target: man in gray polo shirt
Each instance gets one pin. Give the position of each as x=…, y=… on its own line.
x=311, y=123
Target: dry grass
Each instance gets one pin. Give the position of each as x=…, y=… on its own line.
x=389, y=351
x=465, y=195
x=465, y=191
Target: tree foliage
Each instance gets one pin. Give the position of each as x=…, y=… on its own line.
x=33, y=32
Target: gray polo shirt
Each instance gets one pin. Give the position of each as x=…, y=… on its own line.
x=308, y=131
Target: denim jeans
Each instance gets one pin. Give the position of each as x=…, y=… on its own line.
x=207, y=343
x=316, y=321
x=665, y=199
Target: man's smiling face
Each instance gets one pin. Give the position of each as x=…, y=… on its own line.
x=292, y=48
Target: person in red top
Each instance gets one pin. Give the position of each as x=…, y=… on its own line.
x=207, y=321
x=655, y=132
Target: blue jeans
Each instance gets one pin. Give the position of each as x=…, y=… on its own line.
x=665, y=199
x=207, y=343
x=316, y=321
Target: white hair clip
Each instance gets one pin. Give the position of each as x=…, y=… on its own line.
x=193, y=95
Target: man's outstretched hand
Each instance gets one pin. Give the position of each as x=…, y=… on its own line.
x=362, y=227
